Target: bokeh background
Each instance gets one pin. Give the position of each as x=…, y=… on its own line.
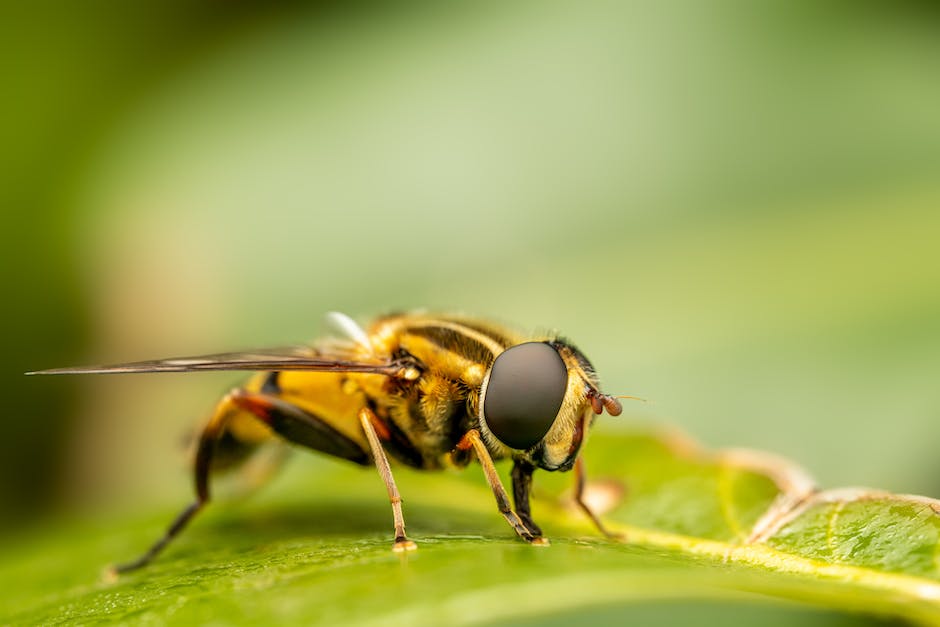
x=732, y=208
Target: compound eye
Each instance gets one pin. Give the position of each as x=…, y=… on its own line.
x=524, y=393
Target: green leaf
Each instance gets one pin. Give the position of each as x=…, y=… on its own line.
x=718, y=530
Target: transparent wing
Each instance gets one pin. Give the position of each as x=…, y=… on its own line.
x=269, y=359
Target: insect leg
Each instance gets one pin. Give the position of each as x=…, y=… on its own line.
x=521, y=484
x=579, y=481
x=472, y=439
x=286, y=419
x=224, y=411
x=368, y=420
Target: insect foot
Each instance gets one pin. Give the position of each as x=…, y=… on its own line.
x=404, y=545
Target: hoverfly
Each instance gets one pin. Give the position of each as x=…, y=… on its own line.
x=426, y=390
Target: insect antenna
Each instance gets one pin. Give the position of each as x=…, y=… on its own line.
x=632, y=398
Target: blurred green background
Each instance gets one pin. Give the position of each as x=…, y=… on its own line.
x=732, y=208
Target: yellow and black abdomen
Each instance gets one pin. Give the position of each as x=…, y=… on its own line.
x=313, y=410
x=329, y=397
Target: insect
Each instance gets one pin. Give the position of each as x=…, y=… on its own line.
x=429, y=391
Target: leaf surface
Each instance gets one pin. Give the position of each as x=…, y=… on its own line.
x=721, y=530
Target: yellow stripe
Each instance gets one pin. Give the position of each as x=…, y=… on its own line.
x=489, y=343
